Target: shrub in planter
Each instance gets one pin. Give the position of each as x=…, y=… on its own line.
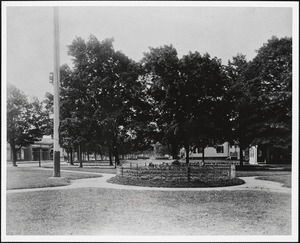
x=176, y=163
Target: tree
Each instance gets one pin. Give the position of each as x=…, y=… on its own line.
x=261, y=94
x=202, y=89
x=72, y=111
x=47, y=104
x=188, y=96
x=161, y=67
x=25, y=121
x=103, y=92
x=272, y=71
x=242, y=100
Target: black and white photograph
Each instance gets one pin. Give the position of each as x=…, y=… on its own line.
x=162, y=121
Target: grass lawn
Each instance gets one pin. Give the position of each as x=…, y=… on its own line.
x=261, y=173
x=31, y=177
x=92, y=211
x=275, y=173
x=272, y=172
x=28, y=177
x=286, y=180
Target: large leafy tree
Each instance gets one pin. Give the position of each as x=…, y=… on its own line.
x=261, y=94
x=188, y=96
x=202, y=101
x=242, y=96
x=271, y=70
x=104, y=93
x=73, y=126
x=161, y=66
x=25, y=120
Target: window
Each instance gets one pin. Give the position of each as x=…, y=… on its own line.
x=220, y=149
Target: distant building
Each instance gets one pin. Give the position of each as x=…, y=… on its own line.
x=40, y=150
x=222, y=151
x=260, y=154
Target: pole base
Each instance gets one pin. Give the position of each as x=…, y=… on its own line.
x=56, y=166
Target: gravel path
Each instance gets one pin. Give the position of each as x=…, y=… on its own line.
x=101, y=182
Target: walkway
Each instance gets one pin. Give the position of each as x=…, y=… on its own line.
x=101, y=182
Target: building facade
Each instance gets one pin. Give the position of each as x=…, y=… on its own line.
x=40, y=150
x=221, y=151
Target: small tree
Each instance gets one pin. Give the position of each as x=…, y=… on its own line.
x=25, y=121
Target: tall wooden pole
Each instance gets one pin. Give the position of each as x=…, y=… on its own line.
x=56, y=157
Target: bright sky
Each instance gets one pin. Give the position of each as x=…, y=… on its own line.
x=221, y=31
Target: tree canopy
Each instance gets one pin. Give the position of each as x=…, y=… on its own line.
x=112, y=104
x=188, y=96
x=26, y=120
x=261, y=94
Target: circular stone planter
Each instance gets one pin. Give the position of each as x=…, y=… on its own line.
x=197, y=175
x=174, y=183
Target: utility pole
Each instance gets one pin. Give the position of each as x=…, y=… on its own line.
x=56, y=157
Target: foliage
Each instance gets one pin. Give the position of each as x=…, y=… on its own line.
x=272, y=70
x=188, y=96
x=261, y=95
x=161, y=67
x=47, y=105
x=111, y=103
x=104, y=95
x=26, y=120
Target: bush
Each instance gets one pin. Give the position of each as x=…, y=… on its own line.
x=176, y=163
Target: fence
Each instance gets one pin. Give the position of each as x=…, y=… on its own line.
x=207, y=162
x=181, y=173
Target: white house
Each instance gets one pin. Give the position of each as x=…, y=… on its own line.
x=222, y=151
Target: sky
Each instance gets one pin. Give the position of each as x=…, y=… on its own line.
x=221, y=31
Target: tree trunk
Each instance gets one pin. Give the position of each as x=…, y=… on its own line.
x=174, y=152
x=187, y=153
x=109, y=156
x=71, y=157
x=95, y=154
x=268, y=155
x=169, y=148
x=14, y=154
x=88, y=156
x=116, y=154
x=203, y=149
x=241, y=155
x=80, y=156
